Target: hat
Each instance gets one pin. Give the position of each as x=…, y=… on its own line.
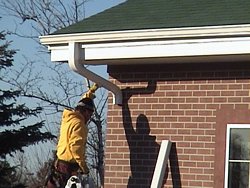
x=86, y=103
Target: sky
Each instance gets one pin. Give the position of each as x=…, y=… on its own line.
x=28, y=48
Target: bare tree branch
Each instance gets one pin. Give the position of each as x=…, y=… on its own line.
x=60, y=88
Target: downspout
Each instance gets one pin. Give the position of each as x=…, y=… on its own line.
x=76, y=56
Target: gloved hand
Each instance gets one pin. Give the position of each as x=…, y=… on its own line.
x=91, y=92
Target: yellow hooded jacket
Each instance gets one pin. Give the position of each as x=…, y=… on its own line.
x=73, y=139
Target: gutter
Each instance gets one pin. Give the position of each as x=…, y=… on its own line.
x=149, y=34
x=172, y=45
x=75, y=63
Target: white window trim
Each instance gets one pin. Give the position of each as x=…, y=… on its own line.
x=231, y=126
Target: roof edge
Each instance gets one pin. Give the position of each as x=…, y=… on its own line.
x=148, y=34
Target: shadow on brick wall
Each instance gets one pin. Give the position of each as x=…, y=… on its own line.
x=174, y=167
x=143, y=146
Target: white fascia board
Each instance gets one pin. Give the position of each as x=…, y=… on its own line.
x=159, y=43
x=59, y=53
x=164, y=49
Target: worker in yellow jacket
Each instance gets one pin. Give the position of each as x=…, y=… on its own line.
x=71, y=144
x=73, y=134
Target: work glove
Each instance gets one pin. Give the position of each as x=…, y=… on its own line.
x=91, y=92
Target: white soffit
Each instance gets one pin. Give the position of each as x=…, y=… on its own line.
x=161, y=43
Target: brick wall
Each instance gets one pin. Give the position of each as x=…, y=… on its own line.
x=177, y=102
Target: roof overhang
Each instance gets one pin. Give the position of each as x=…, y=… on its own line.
x=198, y=44
x=217, y=43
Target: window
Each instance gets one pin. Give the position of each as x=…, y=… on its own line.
x=237, y=169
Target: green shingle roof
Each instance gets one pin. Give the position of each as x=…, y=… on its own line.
x=156, y=14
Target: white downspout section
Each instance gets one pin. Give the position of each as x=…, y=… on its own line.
x=161, y=164
x=75, y=58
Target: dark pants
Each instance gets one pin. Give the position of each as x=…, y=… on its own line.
x=60, y=174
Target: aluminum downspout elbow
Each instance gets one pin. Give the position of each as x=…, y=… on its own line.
x=75, y=64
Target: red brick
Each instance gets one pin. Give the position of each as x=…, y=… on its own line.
x=183, y=109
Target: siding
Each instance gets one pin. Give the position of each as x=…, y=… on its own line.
x=178, y=102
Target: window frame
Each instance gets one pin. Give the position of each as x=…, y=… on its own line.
x=229, y=127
